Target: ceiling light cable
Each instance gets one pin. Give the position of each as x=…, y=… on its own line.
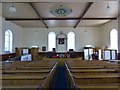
x=108, y=7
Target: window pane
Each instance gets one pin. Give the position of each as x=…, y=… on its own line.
x=10, y=46
x=6, y=33
x=86, y=54
x=113, y=55
x=71, y=41
x=100, y=54
x=114, y=39
x=6, y=46
x=51, y=41
x=8, y=40
x=107, y=55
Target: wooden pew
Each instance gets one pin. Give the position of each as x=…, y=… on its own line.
x=84, y=76
x=11, y=80
x=91, y=63
x=106, y=78
x=71, y=83
x=41, y=64
x=50, y=78
x=26, y=71
x=93, y=70
x=82, y=64
x=30, y=76
x=86, y=67
x=29, y=65
x=113, y=86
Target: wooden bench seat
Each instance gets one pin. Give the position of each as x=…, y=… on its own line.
x=86, y=67
x=27, y=71
x=113, y=86
x=106, y=64
x=101, y=78
x=93, y=70
x=30, y=65
x=92, y=63
x=32, y=68
x=26, y=68
x=118, y=70
x=20, y=87
x=23, y=80
x=93, y=75
x=24, y=76
x=49, y=67
x=43, y=63
x=113, y=66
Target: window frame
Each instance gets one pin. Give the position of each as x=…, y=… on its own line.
x=68, y=41
x=8, y=42
x=49, y=48
x=111, y=35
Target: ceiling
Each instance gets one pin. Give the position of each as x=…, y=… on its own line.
x=37, y=14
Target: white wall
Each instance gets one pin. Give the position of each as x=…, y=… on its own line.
x=0, y=9
x=0, y=27
x=119, y=27
x=27, y=37
x=105, y=32
x=119, y=34
x=17, y=34
x=1, y=40
x=39, y=38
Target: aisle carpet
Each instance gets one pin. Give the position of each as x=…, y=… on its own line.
x=61, y=79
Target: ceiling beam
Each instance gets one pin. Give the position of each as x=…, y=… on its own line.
x=41, y=1
x=30, y=19
x=38, y=14
x=86, y=9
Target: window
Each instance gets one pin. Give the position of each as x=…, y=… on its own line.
x=71, y=41
x=8, y=40
x=51, y=41
x=114, y=39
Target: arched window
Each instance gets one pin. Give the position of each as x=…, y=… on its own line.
x=114, y=39
x=71, y=41
x=51, y=41
x=8, y=40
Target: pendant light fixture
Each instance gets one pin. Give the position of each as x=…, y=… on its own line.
x=108, y=7
x=12, y=8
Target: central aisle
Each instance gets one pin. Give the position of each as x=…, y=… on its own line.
x=61, y=79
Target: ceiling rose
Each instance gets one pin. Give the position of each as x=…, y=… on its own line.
x=60, y=10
